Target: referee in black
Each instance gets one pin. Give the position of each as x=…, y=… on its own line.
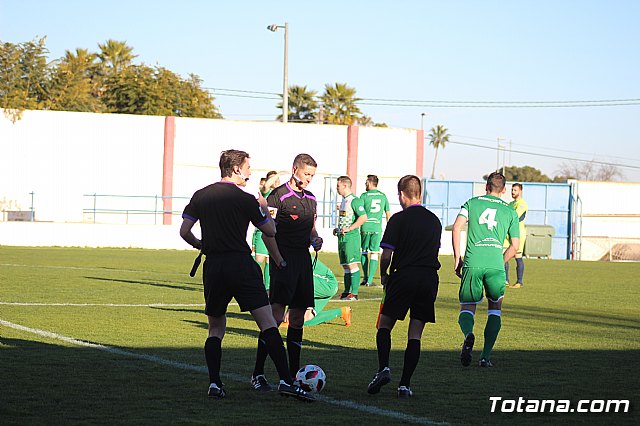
x=224, y=212
x=294, y=209
x=410, y=245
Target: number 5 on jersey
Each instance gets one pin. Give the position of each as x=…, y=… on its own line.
x=488, y=217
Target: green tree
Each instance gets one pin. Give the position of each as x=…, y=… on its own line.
x=73, y=83
x=24, y=75
x=523, y=174
x=115, y=56
x=439, y=137
x=303, y=106
x=339, y=103
x=140, y=89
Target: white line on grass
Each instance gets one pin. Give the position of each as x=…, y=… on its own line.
x=87, y=268
x=369, y=409
x=118, y=305
x=141, y=305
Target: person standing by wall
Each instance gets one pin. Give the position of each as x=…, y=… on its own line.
x=375, y=204
x=521, y=207
x=351, y=216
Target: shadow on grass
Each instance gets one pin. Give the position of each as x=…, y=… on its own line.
x=57, y=383
x=149, y=283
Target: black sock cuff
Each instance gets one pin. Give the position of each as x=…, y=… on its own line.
x=384, y=332
x=215, y=341
x=294, y=334
x=264, y=335
x=413, y=344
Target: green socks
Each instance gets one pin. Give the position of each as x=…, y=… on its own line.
x=491, y=331
x=355, y=281
x=465, y=319
x=373, y=265
x=324, y=316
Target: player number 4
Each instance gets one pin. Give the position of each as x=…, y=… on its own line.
x=488, y=217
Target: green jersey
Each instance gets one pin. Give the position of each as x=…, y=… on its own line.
x=375, y=205
x=490, y=220
x=350, y=209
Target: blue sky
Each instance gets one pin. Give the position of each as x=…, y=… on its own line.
x=422, y=50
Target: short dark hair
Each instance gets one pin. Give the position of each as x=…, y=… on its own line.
x=517, y=185
x=373, y=179
x=345, y=179
x=496, y=182
x=411, y=186
x=229, y=159
x=304, y=159
x=271, y=173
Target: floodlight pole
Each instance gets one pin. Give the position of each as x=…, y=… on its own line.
x=285, y=88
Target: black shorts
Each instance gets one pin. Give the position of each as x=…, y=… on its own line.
x=293, y=284
x=412, y=289
x=229, y=276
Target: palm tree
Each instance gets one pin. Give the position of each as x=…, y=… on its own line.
x=303, y=105
x=116, y=55
x=439, y=138
x=339, y=102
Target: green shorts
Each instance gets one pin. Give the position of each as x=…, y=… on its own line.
x=370, y=241
x=258, y=244
x=479, y=281
x=349, y=249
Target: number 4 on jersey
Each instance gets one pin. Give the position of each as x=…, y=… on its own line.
x=488, y=217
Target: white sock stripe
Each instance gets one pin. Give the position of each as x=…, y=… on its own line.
x=374, y=256
x=469, y=312
x=353, y=271
x=495, y=312
x=232, y=376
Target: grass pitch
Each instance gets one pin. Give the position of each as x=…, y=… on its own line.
x=128, y=332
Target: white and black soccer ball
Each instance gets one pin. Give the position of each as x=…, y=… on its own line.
x=311, y=378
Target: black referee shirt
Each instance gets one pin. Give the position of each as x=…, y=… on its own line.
x=224, y=212
x=295, y=214
x=414, y=236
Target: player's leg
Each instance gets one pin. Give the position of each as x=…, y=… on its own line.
x=281, y=293
x=519, y=270
x=301, y=300
x=374, y=249
x=411, y=356
x=494, y=288
x=354, y=274
x=322, y=316
x=506, y=272
x=520, y=260
x=364, y=256
x=469, y=295
x=262, y=256
x=213, y=354
x=383, y=345
x=342, y=256
x=422, y=305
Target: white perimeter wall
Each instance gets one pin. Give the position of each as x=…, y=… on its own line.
x=62, y=155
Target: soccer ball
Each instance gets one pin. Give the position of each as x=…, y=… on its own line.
x=311, y=378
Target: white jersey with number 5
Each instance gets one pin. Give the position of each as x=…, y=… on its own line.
x=490, y=220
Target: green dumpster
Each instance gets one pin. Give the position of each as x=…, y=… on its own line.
x=538, y=243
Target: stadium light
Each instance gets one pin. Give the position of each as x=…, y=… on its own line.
x=285, y=89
